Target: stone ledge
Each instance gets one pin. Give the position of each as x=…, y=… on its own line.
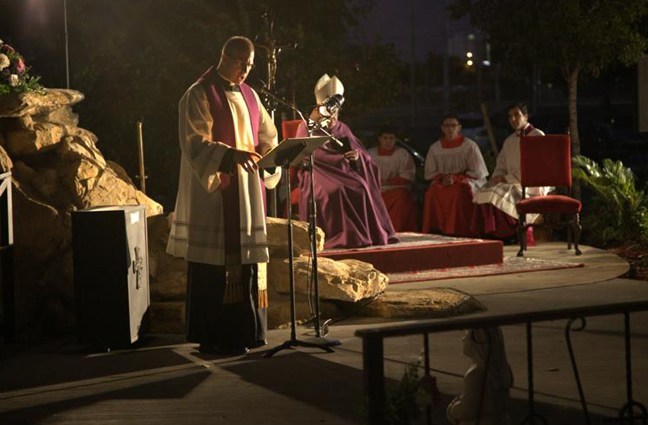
x=425, y=303
x=15, y=105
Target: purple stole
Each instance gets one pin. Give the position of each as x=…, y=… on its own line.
x=223, y=131
x=220, y=111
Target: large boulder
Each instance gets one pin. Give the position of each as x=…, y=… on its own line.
x=343, y=280
x=278, y=237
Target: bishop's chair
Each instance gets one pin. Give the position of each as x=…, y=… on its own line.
x=288, y=130
x=546, y=161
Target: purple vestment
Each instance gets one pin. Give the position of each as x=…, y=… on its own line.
x=350, y=208
x=223, y=131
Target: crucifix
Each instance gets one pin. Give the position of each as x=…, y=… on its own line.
x=269, y=44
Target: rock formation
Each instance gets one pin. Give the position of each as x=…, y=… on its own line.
x=341, y=283
x=56, y=168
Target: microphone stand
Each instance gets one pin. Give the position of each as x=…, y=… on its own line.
x=293, y=341
x=312, y=230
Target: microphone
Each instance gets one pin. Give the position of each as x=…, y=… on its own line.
x=420, y=160
x=331, y=105
x=262, y=87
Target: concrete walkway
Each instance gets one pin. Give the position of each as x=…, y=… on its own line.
x=166, y=381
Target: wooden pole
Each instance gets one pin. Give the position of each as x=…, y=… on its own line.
x=489, y=129
x=140, y=151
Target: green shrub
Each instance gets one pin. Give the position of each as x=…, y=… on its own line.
x=401, y=407
x=618, y=211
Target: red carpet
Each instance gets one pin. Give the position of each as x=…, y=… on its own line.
x=508, y=266
x=417, y=251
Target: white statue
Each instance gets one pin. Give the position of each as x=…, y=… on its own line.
x=464, y=408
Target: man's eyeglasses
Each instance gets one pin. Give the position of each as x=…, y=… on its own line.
x=242, y=63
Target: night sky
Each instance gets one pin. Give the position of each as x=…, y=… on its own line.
x=36, y=29
x=392, y=21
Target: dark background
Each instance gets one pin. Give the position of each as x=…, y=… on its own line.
x=133, y=61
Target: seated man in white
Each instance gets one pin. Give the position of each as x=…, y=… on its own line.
x=497, y=213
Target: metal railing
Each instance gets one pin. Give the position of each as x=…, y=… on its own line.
x=373, y=352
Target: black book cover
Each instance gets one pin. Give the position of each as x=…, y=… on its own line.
x=346, y=145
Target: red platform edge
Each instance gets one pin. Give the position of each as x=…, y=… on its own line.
x=394, y=259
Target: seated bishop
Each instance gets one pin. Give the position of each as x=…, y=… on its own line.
x=345, y=180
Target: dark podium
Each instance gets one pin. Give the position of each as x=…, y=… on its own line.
x=111, y=277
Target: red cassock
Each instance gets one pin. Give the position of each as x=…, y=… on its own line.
x=397, y=171
x=401, y=208
x=495, y=222
x=449, y=209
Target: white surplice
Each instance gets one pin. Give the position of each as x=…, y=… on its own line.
x=504, y=196
x=398, y=164
x=464, y=159
x=197, y=231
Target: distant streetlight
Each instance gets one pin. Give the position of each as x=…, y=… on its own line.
x=469, y=61
x=67, y=52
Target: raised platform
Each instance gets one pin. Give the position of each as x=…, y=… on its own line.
x=417, y=251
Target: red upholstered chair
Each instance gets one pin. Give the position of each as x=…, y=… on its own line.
x=288, y=130
x=546, y=161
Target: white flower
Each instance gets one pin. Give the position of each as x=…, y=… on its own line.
x=13, y=80
x=4, y=61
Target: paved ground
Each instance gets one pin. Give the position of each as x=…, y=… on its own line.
x=166, y=381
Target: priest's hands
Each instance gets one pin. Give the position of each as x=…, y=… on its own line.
x=247, y=160
x=352, y=155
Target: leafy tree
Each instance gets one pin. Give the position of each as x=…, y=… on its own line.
x=133, y=61
x=576, y=37
x=323, y=34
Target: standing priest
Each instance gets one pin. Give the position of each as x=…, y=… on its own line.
x=219, y=223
